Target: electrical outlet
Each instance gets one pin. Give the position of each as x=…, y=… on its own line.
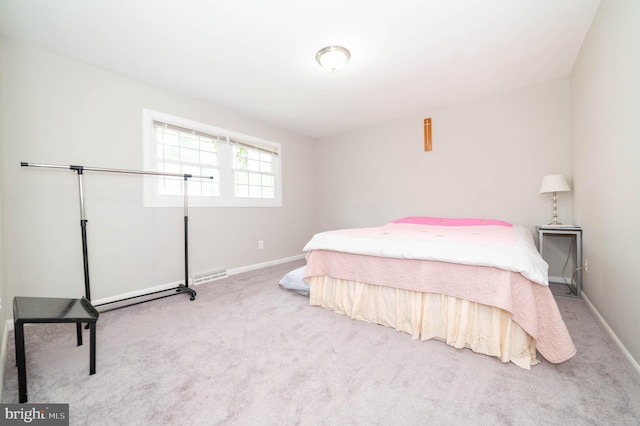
x=260, y=244
x=586, y=266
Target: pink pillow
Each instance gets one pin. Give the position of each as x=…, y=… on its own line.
x=443, y=221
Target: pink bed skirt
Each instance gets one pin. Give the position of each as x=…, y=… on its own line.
x=531, y=306
x=459, y=323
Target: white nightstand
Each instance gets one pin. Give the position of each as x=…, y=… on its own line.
x=574, y=285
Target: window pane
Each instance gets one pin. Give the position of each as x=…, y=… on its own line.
x=242, y=191
x=209, y=172
x=170, y=186
x=208, y=158
x=172, y=153
x=208, y=145
x=172, y=168
x=190, y=155
x=266, y=167
x=254, y=165
x=210, y=189
x=255, y=179
x=170, y=137
x=194, y=187
x=265, y=156
x=240, y=157
x=189, y=141
x=255, y=192
x=191, y=170
x=242, y=178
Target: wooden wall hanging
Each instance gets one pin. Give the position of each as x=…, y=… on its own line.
x=427, y=134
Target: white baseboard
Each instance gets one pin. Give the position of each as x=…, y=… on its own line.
x=253, y=267
x=605, y=327
x=561, y=280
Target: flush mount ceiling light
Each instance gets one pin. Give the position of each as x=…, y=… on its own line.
x=333, y=58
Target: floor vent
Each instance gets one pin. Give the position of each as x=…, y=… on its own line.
x=209, y=276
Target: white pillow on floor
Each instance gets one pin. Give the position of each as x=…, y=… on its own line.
x=294, y=280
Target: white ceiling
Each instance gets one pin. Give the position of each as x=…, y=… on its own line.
x=258, y=57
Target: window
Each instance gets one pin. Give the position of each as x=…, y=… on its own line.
x=184, y=151
x=253, y=172
x=229, y=169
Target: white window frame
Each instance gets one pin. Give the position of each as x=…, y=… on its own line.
x=227, y=198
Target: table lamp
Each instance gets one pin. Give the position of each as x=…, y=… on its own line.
x=554, y=184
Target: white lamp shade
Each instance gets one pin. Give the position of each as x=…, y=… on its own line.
x=333, y=58
x=554, y=183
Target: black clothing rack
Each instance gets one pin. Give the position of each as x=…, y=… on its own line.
x=181, y=288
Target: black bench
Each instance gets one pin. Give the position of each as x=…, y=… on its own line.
x=51, y=310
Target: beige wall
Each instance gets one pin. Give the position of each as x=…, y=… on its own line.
x=59, y=111
x=3, y=297
x=488, y=160
x=606, y=153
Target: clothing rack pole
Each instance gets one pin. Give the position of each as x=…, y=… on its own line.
x=182, y=288
x=186, y=243
x=83, y=227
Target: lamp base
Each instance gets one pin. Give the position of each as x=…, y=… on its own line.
x=554, y=217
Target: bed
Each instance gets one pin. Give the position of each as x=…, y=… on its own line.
x=471, y=283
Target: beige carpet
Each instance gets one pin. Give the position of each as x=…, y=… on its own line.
x=246, y=352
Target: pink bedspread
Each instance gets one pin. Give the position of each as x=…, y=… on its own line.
x=531, y=305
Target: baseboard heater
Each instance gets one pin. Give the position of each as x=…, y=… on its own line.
x=208, y=276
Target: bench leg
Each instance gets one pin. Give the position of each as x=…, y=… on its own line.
x=79, y=333
x=21, y=361
x=92, y=348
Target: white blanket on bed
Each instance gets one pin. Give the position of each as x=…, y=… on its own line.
x=508, y=248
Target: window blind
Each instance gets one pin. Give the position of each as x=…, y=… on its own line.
x=219, y=138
